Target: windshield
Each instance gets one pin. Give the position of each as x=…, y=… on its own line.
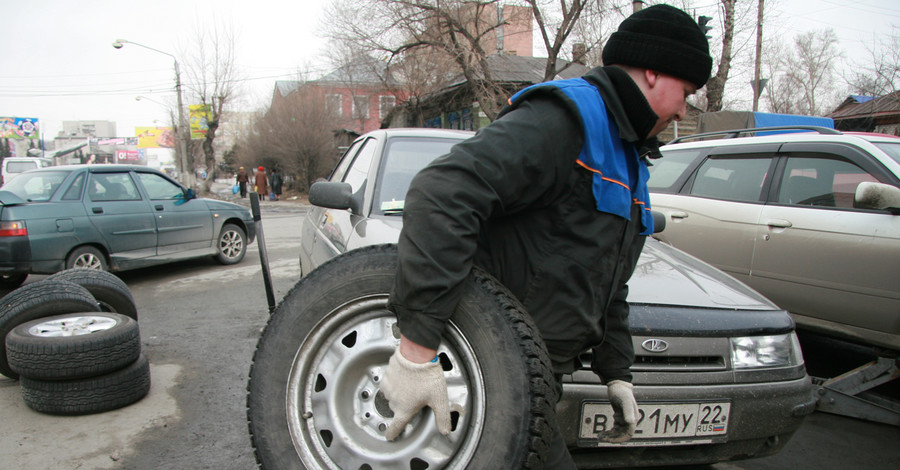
x=36, y=187
x=404, y=157
x=890, y=148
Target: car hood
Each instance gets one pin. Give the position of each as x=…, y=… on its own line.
x=664, y=275
x=215, y=204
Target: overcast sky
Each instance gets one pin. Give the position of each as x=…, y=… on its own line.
x=58, y=62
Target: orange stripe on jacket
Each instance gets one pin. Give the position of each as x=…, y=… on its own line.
x=603, y=177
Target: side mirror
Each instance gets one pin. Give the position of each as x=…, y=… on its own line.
x=331, y=195
x=659, y=221
x=877, y=196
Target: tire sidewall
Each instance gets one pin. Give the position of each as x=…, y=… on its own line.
x=111, y=292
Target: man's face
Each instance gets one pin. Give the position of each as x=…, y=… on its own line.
x=667, y=96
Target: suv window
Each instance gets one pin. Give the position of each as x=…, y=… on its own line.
x=821, y=181
x=665, y=171
x=734, y=179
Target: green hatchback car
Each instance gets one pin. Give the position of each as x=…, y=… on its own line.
x=111, y=217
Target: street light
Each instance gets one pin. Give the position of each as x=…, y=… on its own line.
x=187, y=176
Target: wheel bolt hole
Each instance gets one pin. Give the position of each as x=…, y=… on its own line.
x=365, y=395
x=382, y=427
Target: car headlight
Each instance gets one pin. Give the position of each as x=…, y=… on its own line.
x=755, y=352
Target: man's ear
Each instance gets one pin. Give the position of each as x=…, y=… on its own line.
x=652, y=76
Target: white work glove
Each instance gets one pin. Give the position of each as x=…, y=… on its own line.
x=409, y=387
x=625, y=412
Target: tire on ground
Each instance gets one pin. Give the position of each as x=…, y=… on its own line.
x=90, y=395
x=39, y=299
x=331, y=318
x=231, y=244
x=73, y=346
x=111, y=293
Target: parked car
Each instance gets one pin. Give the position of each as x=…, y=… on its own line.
x=111, y=217
x=12, y=166
x=811, y=220
x=718, y=374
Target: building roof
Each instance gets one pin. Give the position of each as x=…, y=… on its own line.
x=853, y=107
x=509, y=68
x=360, y=72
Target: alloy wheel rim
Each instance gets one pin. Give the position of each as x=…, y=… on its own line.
x=72, y=326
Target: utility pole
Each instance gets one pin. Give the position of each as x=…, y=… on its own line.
x=756, y=88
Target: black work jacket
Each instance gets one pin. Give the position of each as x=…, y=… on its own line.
x=513, y=201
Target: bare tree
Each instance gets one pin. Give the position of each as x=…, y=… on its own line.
x=295, y=135
x=212, y=82
x=812, y=68
x=715, y=88
x=879, y=75
x=464, y=31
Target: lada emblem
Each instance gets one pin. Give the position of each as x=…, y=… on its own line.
x=655, y=345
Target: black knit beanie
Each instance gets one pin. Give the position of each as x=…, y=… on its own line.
x=661, y=38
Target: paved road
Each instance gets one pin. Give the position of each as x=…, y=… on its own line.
x=199, y=325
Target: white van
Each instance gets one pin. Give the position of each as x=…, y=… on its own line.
x=12, y=166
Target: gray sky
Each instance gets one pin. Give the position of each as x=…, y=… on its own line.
x=59, y=64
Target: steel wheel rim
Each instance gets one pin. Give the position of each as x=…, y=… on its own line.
x=231, y=244
x=88, y=260
x=341, y=362
x=72, y=326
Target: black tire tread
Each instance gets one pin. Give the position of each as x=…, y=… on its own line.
x=37, y=300
x=106, y=288
x=73, y=357
x=91, y=395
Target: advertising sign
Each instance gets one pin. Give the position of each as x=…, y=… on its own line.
x=199, y=120
x=154, y=137
x=19, y=128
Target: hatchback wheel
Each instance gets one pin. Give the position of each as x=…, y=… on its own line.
x=87, y=257
x=315, y=398
x=11, y=281
x=232, y=244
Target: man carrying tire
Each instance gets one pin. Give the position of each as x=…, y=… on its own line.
x=552, y=200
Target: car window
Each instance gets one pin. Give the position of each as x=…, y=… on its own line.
x=74, y=191
x=359, y=169
x=112, y=187
x=664, y=172
x=403, y=158
x=36, y=187
x=892, y=149
x=160, y=188
x=733, y=179
x=825, y=182
x=19, y=167
x=341, y=168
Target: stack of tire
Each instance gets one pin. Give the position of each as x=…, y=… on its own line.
x=73, y=341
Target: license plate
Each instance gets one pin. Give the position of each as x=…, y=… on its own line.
x=660, y=423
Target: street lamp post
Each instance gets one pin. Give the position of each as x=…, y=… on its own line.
x=187, y=173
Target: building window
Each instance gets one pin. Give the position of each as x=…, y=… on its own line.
x=360, y=107
x=385, y=105
x=333, y=105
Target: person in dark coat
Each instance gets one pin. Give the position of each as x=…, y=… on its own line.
x=277, y=182
x=242, y=179
x=552, y=200
x=262, y=183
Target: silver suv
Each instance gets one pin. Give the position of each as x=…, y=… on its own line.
x=811, y=220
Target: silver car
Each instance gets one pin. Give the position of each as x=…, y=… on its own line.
x=718, y=375
x=804, y=218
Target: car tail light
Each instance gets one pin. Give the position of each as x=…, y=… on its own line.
x=15, y=228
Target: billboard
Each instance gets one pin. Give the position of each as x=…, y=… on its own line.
x=19, y=128
x=199, y=120
x=154, y=137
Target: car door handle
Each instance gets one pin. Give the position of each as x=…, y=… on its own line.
x=779, y=223
x=678, y=215
x=97, y=210
x=159, y=207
